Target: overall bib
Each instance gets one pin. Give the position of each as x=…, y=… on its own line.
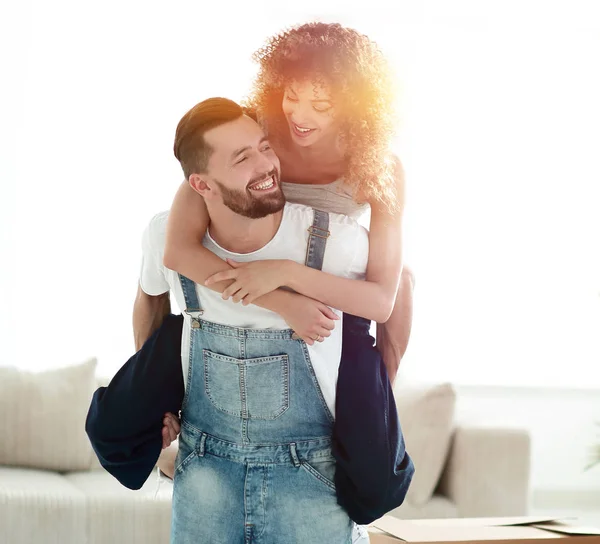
x=255, y=464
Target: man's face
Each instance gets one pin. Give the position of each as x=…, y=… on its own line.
x=244, y=169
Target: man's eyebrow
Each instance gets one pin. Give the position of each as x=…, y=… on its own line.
x=247, y=147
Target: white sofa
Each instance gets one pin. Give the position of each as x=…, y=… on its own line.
x=52, y=489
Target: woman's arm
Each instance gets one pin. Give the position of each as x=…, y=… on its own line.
x=395, y=282
x=186, y=226
x=372, y=299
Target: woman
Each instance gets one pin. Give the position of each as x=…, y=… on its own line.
x=325, y=98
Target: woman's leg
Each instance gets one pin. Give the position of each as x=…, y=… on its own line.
x=166, y=460
x=124, y=419
x=393, y=336
x=373, y=470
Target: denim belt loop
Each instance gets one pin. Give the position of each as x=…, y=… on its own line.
x=201, y=445
x=294, y=455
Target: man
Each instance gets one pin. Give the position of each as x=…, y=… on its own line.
x=258, y=410
x=255, y=448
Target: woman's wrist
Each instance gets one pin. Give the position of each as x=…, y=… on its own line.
x=290, y=273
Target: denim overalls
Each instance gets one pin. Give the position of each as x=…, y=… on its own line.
x=255, y=463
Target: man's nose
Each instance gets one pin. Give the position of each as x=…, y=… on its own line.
x=264, y=165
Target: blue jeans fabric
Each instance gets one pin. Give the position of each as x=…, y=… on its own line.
x=228, y=495
x=372, y=472
x=254, y=464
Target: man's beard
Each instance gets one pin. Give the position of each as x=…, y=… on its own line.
x=247, y=204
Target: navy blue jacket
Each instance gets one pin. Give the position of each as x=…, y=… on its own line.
x=373, y=471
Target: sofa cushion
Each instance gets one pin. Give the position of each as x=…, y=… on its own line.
x=40, y=506
x=101, y=381
x=42, y=417
x=426, y=415
x=121, y=516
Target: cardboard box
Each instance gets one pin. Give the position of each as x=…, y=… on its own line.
x=527, y=530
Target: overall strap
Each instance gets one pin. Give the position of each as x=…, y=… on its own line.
x=318, y=233
x=192, y=303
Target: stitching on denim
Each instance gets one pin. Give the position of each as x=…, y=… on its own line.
x=186, y=461
x=266, y=476
x=205, y=354
x=188, y=385
x=242, y=364
x=311, y=470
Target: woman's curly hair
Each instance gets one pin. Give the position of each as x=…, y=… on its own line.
x=361, y=87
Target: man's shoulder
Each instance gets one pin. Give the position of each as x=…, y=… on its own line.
x=348, y=244
x=300, y=213
x=159, y=221
x=156, y=230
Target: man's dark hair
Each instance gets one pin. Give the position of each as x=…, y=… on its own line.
x=190, y=148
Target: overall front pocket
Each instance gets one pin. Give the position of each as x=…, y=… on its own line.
x=247, y=388
x=186, y=451
x=322, y=470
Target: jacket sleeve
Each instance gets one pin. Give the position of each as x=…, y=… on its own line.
x=124, y=421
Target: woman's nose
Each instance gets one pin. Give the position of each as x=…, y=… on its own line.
x=300, y=113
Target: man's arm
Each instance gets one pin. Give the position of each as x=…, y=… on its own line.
x=148, y=314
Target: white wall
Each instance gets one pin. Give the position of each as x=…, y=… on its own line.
x=500, y=139
x=562, y=426
x=500, y=131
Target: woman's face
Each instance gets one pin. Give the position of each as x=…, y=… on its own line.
x=310, y=113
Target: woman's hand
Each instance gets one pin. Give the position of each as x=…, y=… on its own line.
x=251, y=280
x=310, y=319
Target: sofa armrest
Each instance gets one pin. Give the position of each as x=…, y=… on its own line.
x=488, y=471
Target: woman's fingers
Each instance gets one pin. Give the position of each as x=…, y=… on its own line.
x=328, y=312
x=240, y=295
x=221, y=276
x=231, y=290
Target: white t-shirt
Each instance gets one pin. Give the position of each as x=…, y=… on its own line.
x=346, y=255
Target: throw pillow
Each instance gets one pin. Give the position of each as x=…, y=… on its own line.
x=42, y=417
x=426, y=415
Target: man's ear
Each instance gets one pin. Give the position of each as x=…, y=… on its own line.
x=200, y=184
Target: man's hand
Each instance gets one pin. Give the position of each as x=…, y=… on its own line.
x=171, y=429
x=310, y=319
